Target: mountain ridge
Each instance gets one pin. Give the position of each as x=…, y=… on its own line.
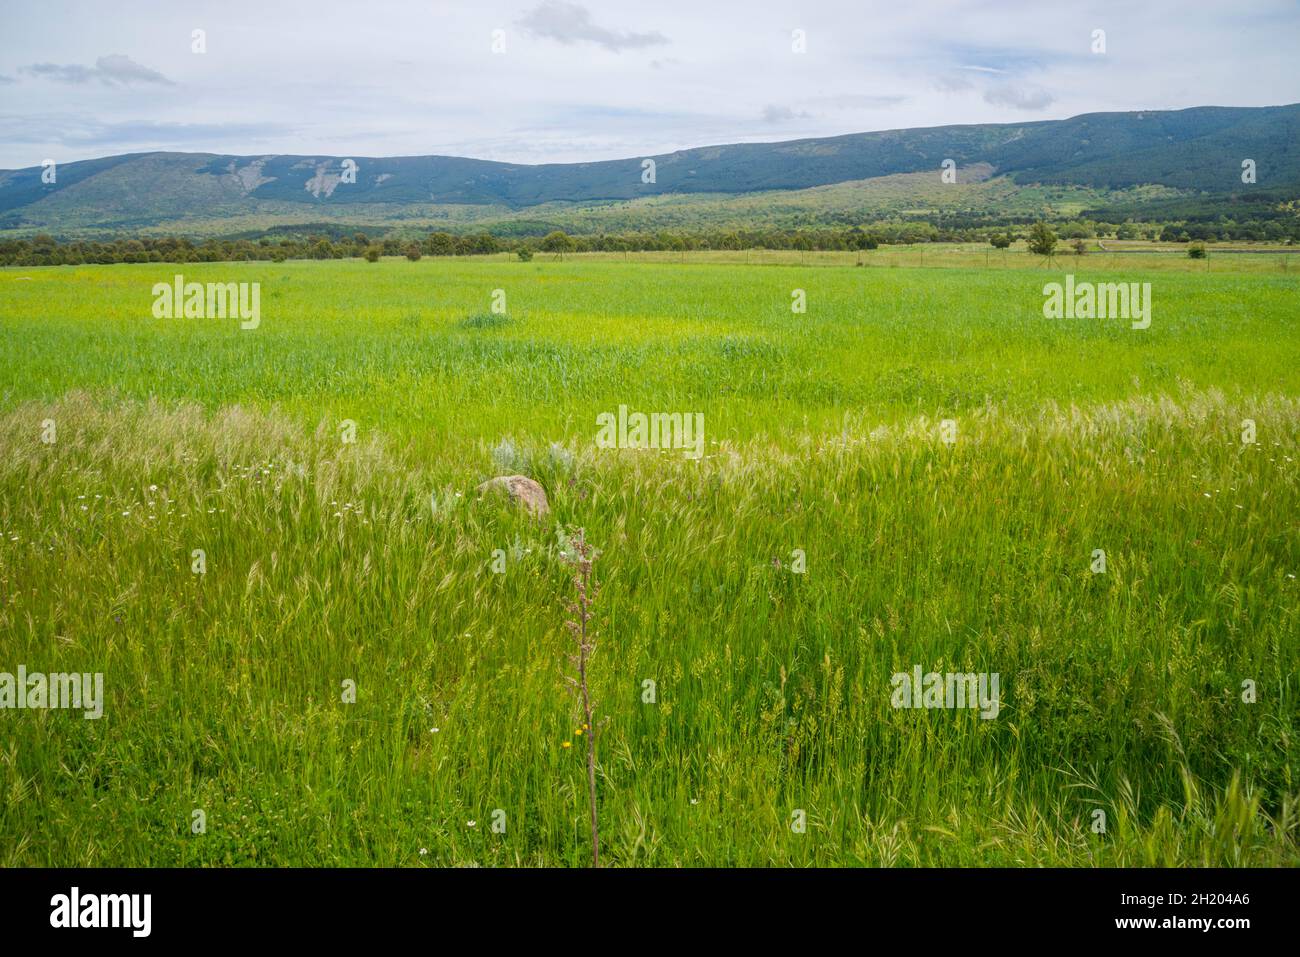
x=1199, y=150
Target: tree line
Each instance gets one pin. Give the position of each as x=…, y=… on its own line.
x=42, y=250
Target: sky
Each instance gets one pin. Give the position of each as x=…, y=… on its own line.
x=542, y=81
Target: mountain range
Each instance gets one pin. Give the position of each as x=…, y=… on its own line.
x=1092, y=162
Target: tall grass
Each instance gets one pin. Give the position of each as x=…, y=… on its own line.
x=326, y=563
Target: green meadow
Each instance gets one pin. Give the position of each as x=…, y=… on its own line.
x=919, y=469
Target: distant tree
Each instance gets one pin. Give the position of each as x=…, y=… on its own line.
x=1000, y=240
x=412, y=252
x=372, y=254
x=1080, y=247
x=859, y=239
x=557, y=242
x=1042, y=241
x=1196, y=251
x=525, y=255
x=440, y=244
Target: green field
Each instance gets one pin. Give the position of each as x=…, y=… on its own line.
x=128, y=442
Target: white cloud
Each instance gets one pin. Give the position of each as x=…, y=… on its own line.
x=571, y=23
x=1019, y=97
x=858, y=101
x=112, y=69
x=953, y=83
x=119, y=68
x=781, y=114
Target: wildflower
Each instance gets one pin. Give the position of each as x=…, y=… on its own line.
x=566, y=744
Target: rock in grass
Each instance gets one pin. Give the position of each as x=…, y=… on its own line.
x=519, y=489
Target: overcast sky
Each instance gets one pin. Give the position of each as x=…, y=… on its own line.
x=601, y=79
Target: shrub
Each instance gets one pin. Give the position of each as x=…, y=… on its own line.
x=1041, y=239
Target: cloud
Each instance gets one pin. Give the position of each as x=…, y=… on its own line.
x=858, y=101
x=7, y=79
x=782, y=114
x=953, y=83
x=773, y=113
x=64, y=74
x=1002, y=57
x=570, y=23
x=111, y=70
x=118, y=68
x=1019, y=97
